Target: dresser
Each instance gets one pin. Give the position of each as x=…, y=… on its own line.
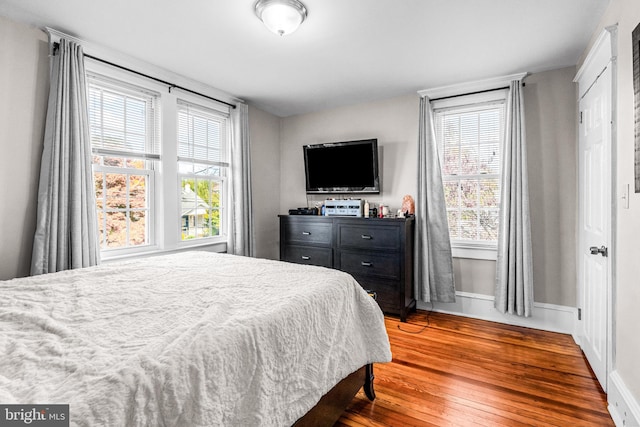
x=377, y=252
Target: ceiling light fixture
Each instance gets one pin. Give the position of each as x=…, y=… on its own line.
x=281, y=16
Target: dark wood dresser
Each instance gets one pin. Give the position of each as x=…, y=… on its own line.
x=377, y=252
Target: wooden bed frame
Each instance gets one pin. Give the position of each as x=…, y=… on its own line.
x=332, y=405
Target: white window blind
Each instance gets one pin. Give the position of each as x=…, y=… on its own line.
x=123, y=120
x=201, y=135
x=469, y=142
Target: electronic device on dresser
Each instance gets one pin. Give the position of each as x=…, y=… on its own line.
x=377, y=252
x=304, y=211
x=342, y=167
x=351, y=207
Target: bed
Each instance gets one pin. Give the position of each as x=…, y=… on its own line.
x=188, y=339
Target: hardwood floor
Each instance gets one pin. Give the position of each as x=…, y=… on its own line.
x=466, y=372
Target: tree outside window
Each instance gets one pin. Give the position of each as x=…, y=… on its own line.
x=469, y=140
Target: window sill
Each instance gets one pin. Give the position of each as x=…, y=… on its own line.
x=474, y=252
x=208, y=247
x=213, y=244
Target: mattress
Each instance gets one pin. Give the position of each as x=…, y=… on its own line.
x=188, y=339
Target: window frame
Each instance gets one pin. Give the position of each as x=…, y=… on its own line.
x=468, y=248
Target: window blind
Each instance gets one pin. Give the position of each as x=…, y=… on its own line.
x=123, y=122
x=470, y=140
x=201, y=135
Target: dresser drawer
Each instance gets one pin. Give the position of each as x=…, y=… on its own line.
x=388, y=296
x=308, y=255
x=365, y=237
x=378, y=264
x=378, y=252
x=308, y=232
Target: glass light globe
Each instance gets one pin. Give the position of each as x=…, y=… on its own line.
x=281, y=16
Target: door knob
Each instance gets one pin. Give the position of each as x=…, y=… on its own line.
x=599, y=250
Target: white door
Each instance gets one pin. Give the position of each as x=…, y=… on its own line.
x=594, y=238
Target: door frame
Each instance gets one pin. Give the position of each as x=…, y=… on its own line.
x=602, y=54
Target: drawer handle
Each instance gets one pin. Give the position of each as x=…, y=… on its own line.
x=306, y=258
x=306, y=233
x=366, y=264
x=366, y=237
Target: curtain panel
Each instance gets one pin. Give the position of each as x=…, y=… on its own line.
x=514, y=269
x=434, y=279
x=66, y=227
x=241, y=236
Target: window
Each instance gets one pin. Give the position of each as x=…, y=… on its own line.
x=201, y=170
x=470, y=138
x=160, y=162
x=125, y=150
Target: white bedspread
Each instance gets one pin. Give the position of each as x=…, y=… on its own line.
x=192, y=339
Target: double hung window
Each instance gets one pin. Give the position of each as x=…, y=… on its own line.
x=125, y=148
x=202, y=170
x=470, y=134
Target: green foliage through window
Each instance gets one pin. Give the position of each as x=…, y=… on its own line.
x=200, y=208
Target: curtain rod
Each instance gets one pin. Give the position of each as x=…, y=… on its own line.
x=469, y=93
x=171, y=85
x=472, y=93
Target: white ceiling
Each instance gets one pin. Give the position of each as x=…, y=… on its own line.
x=346, y=52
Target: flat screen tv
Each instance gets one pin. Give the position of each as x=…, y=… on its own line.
x=342, y=167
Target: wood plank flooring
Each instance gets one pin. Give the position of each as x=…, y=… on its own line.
x=466, y=372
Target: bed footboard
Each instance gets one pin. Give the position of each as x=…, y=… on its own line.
x=332, y=405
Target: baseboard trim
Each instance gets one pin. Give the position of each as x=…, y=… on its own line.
x=624, y=409
x=547, y=317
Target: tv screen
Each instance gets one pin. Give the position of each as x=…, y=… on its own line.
x=342, y=167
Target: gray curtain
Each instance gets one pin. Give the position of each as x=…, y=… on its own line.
x=66, y=229
x=514, y=273
x=241, y=238
x=434, y=280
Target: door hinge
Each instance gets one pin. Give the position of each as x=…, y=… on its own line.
x=579, y=314
x=580, y=117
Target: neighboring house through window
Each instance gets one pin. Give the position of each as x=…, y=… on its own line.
x=194, y=212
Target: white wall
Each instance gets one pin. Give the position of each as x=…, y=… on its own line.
x=24, y=87
x=264, y=130
x=626, y=13
x=550, y=121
